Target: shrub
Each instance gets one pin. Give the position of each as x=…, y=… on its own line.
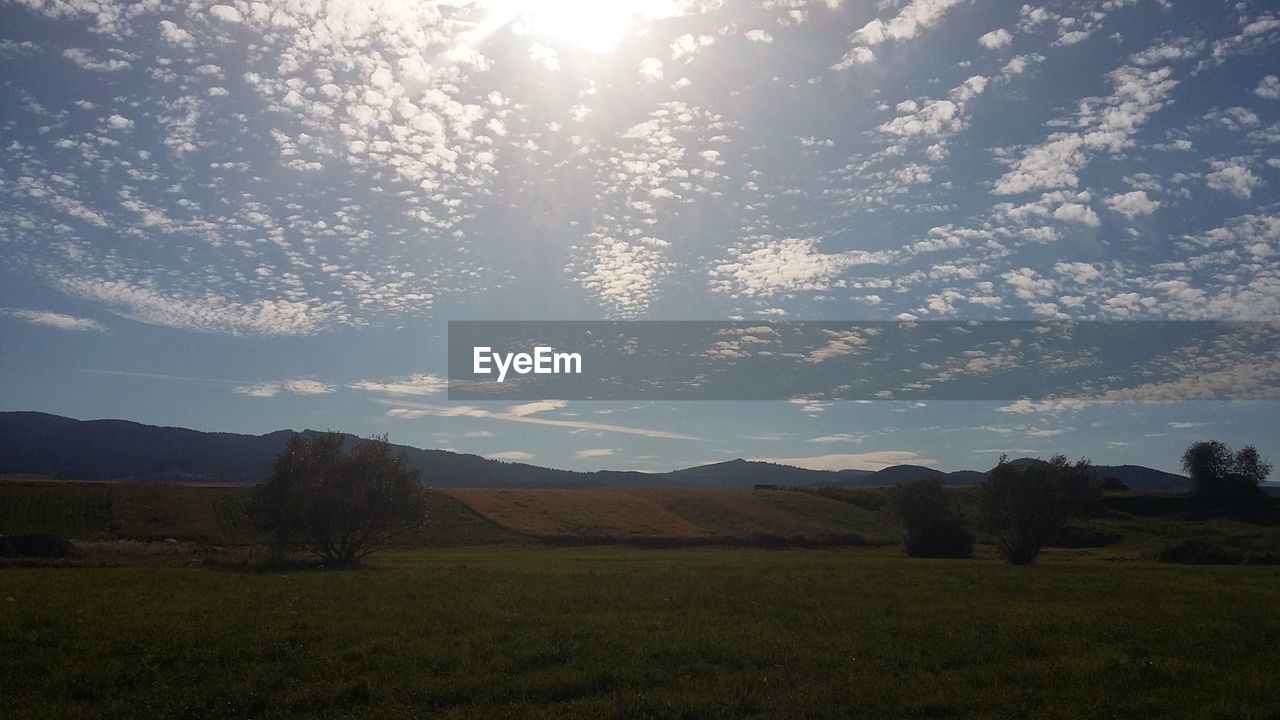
x=339, y=506
x=1199, y=552
x=42, y=545
x=928, y=515
x=1113, y=484
x=1024, y=504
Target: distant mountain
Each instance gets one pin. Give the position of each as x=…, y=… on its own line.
x=1135, y=477
x=33, y=443
x=746, y=473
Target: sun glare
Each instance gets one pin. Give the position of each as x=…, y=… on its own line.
x=595, y=26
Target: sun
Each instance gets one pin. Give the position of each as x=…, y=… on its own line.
x=595, y=26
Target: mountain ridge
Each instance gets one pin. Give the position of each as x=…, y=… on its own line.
x=35, y=443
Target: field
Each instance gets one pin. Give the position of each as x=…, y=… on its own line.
x=486, y=614
x=628, y=633
x=677, y=514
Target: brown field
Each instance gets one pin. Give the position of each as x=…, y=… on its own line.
x=677, y=514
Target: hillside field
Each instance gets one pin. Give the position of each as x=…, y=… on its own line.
x=1134, y=526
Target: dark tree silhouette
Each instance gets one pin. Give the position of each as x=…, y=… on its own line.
x=929, y=516
x=1023, y=505
x=1218, y=473
x=339, y=506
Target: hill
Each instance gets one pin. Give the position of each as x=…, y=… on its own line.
x=41, y=444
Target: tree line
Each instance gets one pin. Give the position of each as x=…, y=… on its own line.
x=1024, y=504
x=340, y=503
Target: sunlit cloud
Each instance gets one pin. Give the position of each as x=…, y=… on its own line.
x=59, y=321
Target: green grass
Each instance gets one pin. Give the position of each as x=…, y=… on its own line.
x=617, y=632
x=190, y=514
x=74, y=510
x=874, y=526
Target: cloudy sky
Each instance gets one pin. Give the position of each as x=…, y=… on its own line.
x=257, y=215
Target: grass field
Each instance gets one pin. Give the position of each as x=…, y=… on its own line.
x=476, y=617
x=619, y=632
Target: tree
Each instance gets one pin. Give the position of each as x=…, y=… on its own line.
x=928, y=514
x=1023, y=505
x=1218, y=473
x=339, y=506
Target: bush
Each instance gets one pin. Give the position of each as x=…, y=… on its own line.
x=339, y=506
x=943, y=539
x=1024, y=504
x=1113, y=484
x=928, y=515
x=1199, y=552
x=1083, y=537
x=42, y=545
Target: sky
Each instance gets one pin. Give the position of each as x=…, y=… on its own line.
x=261, y=215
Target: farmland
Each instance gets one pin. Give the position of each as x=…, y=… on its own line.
x=1134, y=526
x=485, y=613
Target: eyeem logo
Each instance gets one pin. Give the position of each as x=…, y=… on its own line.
x=544, y=361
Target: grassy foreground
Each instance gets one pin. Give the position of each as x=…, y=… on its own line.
x=492, y=632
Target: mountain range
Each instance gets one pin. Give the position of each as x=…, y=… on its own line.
x=33, y=443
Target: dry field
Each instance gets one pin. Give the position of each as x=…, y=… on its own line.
x=676, y=514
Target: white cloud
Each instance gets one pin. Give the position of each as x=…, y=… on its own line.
x=259, y=390
x=57, y=320
x=595, y=453
x=516, y=455
x=226, y=13
x=545, y=56
x=772, y=267
x=532, y=408
x=206, y=312
x=174, y=35
x=418, y=384
x=1269, y=88
x=119, y=122
x=911, y=20
x=759, y=36
x=838, y=438
x=651, y=69
x=856, y=56
x=1233, y=176
x=1078, y=271
x=1132, y=204
x=415, y=410
x=1028, y=285
x=1020, y=63
x=307, y=386
x=81, y=58
x=852, y=461
x=1103, y=124
x=1072, y=37
x=996, y=39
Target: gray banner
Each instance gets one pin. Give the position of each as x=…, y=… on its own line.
x=971, y=360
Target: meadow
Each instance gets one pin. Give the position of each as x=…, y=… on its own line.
x=618, y=632
x=480, y=620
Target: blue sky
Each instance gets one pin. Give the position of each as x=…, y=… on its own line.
x=250, y=216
